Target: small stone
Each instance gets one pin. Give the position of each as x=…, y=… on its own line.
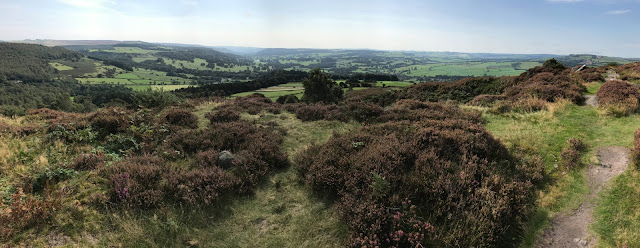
x=576, y=240
x=583, y=242
x=192, y=243
x=225, y=159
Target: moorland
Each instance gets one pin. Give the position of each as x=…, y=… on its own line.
x=160, y=145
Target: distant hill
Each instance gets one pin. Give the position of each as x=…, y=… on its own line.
x=46, y=42
x=238, y=50
x=30, y=62
x=592, y=60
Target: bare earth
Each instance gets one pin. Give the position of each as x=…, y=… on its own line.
x=612, y=75
x=570, y=230
x=592, y=100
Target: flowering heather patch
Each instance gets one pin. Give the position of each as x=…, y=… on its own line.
x=317, y=111
x=256, y=103
x=181, y=117
x=121, y=186
x=464, y=186
x=148, y=181
x=620, y=96
x=224, y=114
x=571, y=155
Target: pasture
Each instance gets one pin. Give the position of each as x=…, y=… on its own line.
x=141, y=79
x=276, y=91
x=60, y=67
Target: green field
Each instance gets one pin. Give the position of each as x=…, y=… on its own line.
x=138, y=79
x=468, y=69
x=197, y=64
x=157, y=87
x=276, y=91
x=60, y=67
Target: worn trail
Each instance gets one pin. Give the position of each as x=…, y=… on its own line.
x=571, y=229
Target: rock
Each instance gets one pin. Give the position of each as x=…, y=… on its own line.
x=192, y=243
x=583, y=243
x=576, y=240
x=225, y=159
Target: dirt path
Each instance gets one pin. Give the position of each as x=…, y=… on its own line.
x=571, y=229
x=612, y=75
x=592, y=100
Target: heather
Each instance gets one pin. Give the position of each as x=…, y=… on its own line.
x=618, y=97
x=471, y=177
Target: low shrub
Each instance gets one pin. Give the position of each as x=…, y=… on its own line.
x=629, y=71
x=54, y=119
x=137, y=181
x=618, y=97
x=110, y=121
x=378, y=96
x=181, y=118
x=26, y=210
x=572, y=154
x=146, y=181
x=50, y=177
x=256, y=103
x=286, y=99
x=317, y=111
x=201, y=185
x=89, y=161
x=463, y=90
x=122, y=144
x=154, y=98
x=591, y=74
x=549, y=87
x=361, y=111
x=464, y=186
x=225, y=114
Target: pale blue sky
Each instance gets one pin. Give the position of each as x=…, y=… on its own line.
x=605, y=27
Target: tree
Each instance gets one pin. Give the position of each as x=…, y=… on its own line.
x=553, y=64
x=319, y=87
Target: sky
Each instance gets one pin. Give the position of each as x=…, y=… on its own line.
x=603, y=27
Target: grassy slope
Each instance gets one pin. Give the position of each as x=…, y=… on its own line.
x=545, y=133
x=617, y=214
x=282, y=213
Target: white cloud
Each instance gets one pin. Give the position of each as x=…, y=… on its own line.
x=618, y=12
x=88, y=3
x=564, y=1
